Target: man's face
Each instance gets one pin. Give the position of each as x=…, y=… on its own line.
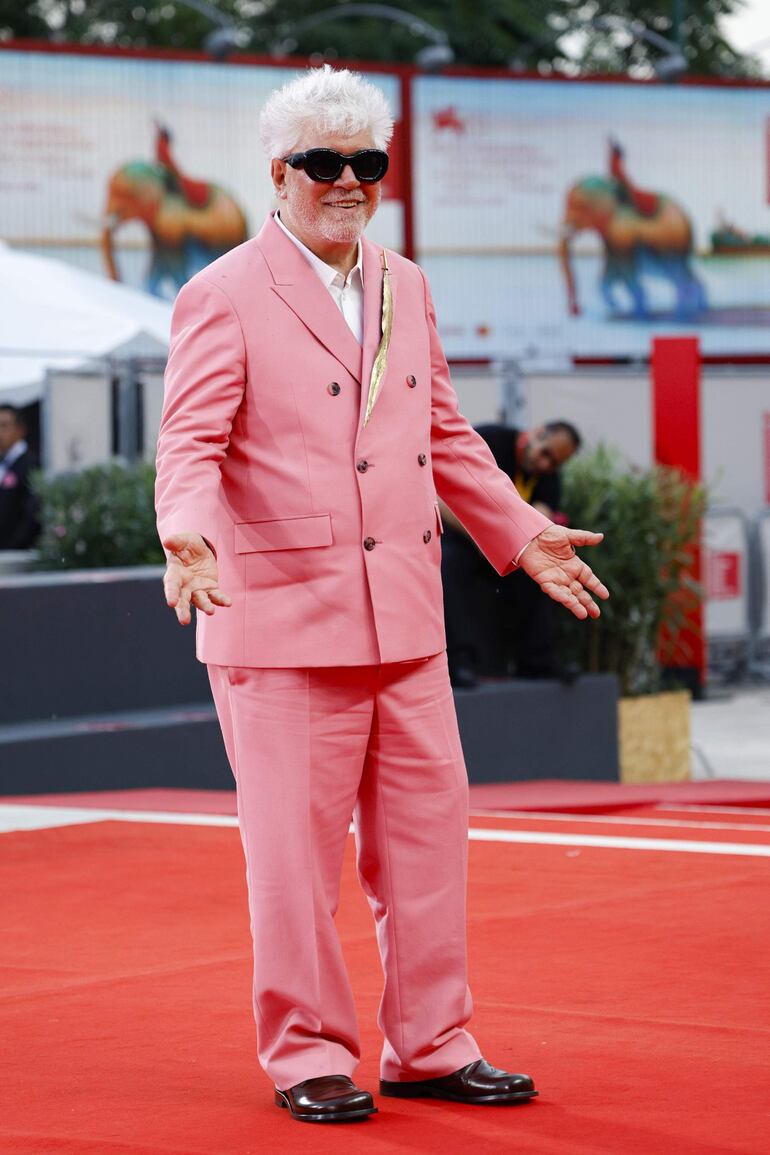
x=10, y=432
x=547, y=452
x=336, y=212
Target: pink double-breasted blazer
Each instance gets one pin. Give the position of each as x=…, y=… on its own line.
x=327, y=533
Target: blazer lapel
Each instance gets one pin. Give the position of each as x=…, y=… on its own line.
x=297, y=284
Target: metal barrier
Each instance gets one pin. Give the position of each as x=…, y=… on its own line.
x=726, y=617
x=759, y=650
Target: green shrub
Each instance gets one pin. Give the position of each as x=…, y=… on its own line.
x=102, y=516
x=650, y=520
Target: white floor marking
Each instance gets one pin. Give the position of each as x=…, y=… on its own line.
x=22, y=817
x=748, y=849
x=714, y=809
x=542, y=816
x=18, y=817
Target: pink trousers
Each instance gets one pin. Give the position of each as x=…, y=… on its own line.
x=311, y=748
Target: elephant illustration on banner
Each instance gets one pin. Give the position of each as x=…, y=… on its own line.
x=190, y=222
x=644, y=235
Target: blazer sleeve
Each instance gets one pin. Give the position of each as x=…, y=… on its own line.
x=467, y=478
x=204, y=384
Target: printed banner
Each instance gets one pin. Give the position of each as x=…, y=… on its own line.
x=723, y=575
x=144, y=169
x=562, y=219
x=725, y=559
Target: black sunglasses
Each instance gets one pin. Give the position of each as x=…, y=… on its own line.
x=325, y=165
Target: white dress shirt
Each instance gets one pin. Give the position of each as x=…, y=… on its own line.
x=17, y=450
x=346, y=292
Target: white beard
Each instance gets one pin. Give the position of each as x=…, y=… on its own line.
x=343, y=226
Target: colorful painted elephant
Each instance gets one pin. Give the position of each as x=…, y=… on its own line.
x=656, y=243
x=185, y=237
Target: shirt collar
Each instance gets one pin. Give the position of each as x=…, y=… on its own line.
x=17, y=450
x=327, y=273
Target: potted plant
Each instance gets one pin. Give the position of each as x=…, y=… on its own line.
x=651, y=521
x=99, y=517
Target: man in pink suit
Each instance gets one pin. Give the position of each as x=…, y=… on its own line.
x=309, y=426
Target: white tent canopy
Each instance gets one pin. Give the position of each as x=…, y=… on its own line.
x=56, y=316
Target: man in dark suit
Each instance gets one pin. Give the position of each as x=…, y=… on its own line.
x=496, y=624
x=19, y=525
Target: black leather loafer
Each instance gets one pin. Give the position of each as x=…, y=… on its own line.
x=328, y=1099
x=479, y=1082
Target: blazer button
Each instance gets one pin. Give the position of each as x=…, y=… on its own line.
x=362, y=466
x=427, y=536
x=369, y=543
x=422, y=459
x=411, y=380
x=333, y=388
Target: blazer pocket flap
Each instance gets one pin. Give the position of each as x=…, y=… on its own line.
x=283, y=533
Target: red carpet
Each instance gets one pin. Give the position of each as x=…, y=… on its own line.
x=633, y=985
x=599, y=797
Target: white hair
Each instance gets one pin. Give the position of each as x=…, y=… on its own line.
x=327, y=101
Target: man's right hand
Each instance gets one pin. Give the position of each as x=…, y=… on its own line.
x=191, y=576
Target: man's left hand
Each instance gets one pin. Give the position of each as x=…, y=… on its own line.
x=550, y=559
